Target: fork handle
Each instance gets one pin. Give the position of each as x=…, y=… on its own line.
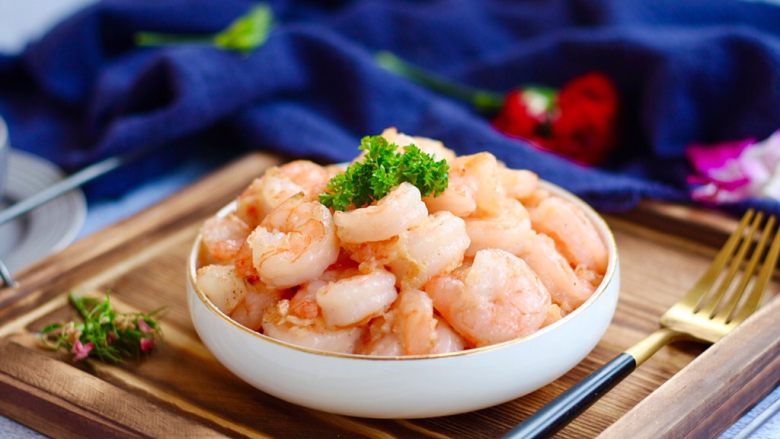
x=563, y=409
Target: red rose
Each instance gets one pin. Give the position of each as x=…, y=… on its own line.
x=585, y=127
x=515, y=119
x=578, y=122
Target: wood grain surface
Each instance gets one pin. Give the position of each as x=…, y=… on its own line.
x=181, y=390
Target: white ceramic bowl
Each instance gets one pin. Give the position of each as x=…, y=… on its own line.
x=412, y=386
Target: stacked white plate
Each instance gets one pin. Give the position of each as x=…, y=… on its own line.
x=46, y=229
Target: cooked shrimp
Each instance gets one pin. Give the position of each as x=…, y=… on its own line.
x=399, y=210
x=258, y=299
x=379, y=338
x=223, y=237
x=447, y=340
x=588, y=275
x=304, y=303
x=505, y=231
x=313, y=333
x=554, y=314
x=356, y=299
x=518, y=183
x=262, y=196
x=473, y=187
x=279, y=184
x=294, y=244
x=498, y=298
x=414, y=323
x=535, y=198
x=428, y=146
x=483, y=168
x=567, y=289
x=245, y=266
x=435, y=246
x=574, y=235
x=460, y=197
x=310, y=176
x=222, y=286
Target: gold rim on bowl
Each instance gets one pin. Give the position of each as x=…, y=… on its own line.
x=604, y=230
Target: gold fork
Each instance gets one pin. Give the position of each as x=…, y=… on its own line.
x=709, y=311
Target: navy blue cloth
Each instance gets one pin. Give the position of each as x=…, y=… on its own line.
x=686, y=71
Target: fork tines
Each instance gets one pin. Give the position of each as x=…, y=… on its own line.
x=721, y=303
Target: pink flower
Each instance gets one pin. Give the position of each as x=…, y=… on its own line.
x=146, y=344
x=81, y=351
x=143, y=326
x=734, y=171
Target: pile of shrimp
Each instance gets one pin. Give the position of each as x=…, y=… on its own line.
x=492, y=258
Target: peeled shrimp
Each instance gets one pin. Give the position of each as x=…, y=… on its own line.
x=473, y=187
x=554, y=314
x=498, y=298
x=518, y=183
x=574, y=235
x=279, y=184
x=435, y=246
x=414, y=323
x=428, y=146
x=294, y=244
x=483, y=168
x=447, y=340
x=379, y=338
x=223, y=237
x=505, y=231
x=397, y=211
x=312, y=333
x=356, y=299
x=250, y=310
x=245, y=267
x=568, y=289
x=304, y=303
x=222, y=286
x=459, y=198
x=535, y=198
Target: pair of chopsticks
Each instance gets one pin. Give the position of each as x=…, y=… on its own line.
x=60, y=188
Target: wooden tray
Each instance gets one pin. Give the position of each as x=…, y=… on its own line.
x=181, y=390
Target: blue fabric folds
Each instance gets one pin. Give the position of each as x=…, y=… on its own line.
x=686, y=71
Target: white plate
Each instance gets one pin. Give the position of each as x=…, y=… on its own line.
x=46, y=229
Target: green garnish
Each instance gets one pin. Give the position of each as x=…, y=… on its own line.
x=104, y=334
x=383, y=169
x=245, y=34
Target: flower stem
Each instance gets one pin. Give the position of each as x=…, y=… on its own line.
x=482, y=100
x=160, y=39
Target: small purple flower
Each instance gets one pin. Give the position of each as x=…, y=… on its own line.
x=81, y=351
x=733, y=171
x=143, y=326
x=146, y=344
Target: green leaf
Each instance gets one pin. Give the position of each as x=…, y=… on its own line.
x=244, y=34
x=248, y=32
x=382, y=169
x=49, y=328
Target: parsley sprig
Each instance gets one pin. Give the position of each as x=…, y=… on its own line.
x=104, y=334
x=382, y=169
